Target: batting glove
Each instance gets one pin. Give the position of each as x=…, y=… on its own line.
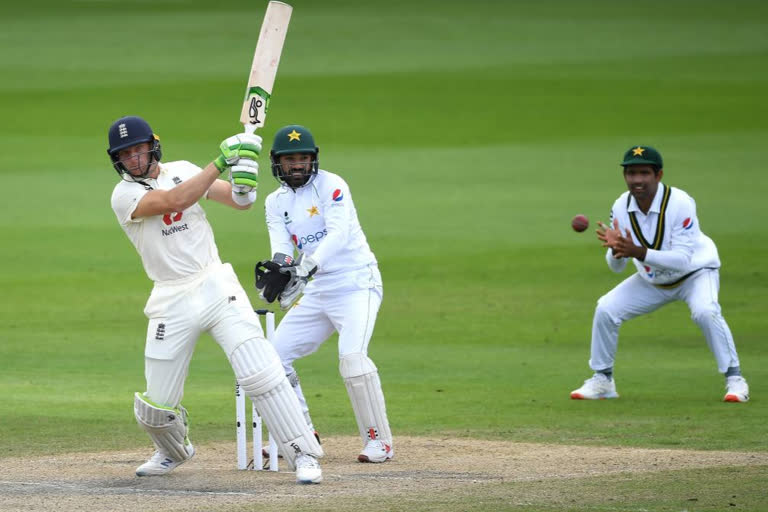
x=244, y=176
x=243, y=145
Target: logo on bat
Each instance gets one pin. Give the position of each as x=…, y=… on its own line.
x=253, y=111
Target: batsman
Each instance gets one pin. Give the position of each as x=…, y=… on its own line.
x=313, y=213
x=158, y=207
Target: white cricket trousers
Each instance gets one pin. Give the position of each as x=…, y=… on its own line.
x=317, y=315
x=213, y=301
x=634, y=297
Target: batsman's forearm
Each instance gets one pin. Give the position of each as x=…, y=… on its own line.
x=189, y=192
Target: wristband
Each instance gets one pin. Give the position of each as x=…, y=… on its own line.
x=244, y=199
x=221, y=163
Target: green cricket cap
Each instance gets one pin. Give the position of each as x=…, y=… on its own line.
x=639, y=155
x=293, y=138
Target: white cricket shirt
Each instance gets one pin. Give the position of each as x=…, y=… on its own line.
x=320, y=220
x=676, y=247
x=171, y=246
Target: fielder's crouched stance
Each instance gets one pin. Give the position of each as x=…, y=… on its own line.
x=157, y=207
x=313, y=212
x=656, y=226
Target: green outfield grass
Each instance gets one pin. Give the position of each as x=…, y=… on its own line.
x=470, y=133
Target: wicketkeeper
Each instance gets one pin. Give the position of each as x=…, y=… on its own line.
x=312, y=212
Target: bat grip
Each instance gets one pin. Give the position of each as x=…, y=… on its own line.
x=249, y=128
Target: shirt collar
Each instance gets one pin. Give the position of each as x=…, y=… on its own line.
x=655, y=204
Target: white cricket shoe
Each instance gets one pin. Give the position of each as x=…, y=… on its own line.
x=376, y=451
x=736, y=389
x=308, y=469
x=161, y=464
x=597, y=387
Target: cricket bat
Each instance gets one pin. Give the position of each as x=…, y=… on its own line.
x=264, y=66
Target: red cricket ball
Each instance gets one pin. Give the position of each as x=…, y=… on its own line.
x=580, y=223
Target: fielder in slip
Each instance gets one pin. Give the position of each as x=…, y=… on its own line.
x=313, y=212
x=656, y=226
x=157, y=206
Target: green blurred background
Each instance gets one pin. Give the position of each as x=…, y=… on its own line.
x=470, y=133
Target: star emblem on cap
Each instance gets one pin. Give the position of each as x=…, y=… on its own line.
x=294, y=135
x=313, y=211
x=638, y=151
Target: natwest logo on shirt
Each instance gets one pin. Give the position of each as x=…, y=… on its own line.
x=172, y=218
x=301, y=241
x=175, y=229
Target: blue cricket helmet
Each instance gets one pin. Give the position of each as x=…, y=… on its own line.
x=129, y=131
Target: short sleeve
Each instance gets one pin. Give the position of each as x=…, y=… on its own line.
x=125, y=199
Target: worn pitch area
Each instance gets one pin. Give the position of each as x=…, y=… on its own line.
x=424, y=471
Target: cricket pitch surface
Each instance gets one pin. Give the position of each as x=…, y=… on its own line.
x=426, y=474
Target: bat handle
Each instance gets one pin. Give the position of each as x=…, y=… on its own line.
x=249, y=128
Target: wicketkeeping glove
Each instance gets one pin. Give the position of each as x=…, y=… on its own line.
x=299, y=273
x=268, y=277
x=244, y=176
x=243, y=145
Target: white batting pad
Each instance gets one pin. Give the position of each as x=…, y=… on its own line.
x=262, y=378
x=282, y=413
x=257, y=366
x=165, y=425
x=361, y=378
